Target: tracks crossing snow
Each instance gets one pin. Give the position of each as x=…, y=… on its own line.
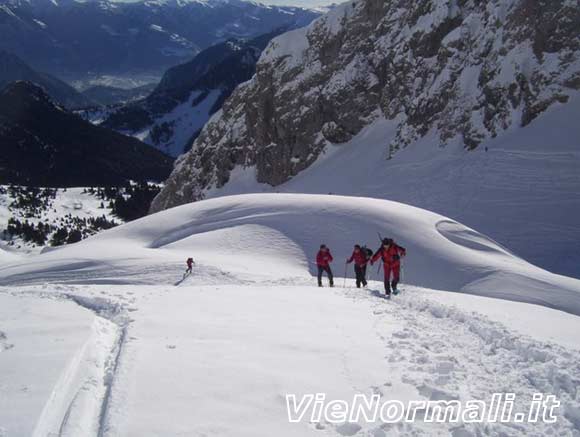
x=437, y=350
x=449, y=354
x=79, y=403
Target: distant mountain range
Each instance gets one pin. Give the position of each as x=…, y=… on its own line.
x=12, y=68
x=73, y=39
x=44, y=145
x=171, y=117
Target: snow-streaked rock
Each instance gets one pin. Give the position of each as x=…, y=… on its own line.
x=464, y=72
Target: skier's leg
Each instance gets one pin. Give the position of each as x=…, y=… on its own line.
x=320, y=270
x=364, y=275
x=357, y=274
x=396, y=275
x=330, y=276
x=387, y=268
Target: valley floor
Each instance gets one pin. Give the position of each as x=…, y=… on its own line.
x=215, y=355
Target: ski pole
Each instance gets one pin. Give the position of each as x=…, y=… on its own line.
x=345, y=267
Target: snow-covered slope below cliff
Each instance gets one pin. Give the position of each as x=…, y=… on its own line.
x=400, y=101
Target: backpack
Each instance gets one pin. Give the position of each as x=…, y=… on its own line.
x=367, y=252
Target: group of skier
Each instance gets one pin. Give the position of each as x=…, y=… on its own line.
x=390, y=254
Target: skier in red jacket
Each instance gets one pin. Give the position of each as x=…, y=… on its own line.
x=323, y=260
x=359, y=256
x=391, y=255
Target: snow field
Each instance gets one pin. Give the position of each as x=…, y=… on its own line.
x=277, y=235
x=217, y=354
x=219, y=359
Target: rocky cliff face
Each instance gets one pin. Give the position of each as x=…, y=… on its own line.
x=458, y=71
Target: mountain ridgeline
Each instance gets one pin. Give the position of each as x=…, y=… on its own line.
x=12, y=68
x=71, y=38
x=462, y=71
x=42, y=144
x=172, y=116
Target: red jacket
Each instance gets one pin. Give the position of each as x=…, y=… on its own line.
x=390, y=255
x=359, y=258
x=323, y=259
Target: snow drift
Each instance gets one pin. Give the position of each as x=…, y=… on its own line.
x=277, y=236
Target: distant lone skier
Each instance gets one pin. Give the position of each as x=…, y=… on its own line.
x=360, y=258
x=190, y=264
x=323, y=260
x=391, y=255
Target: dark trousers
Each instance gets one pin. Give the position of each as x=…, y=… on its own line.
x=326, y=269
x=361, y=275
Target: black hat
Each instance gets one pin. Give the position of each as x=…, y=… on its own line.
x=387, y=241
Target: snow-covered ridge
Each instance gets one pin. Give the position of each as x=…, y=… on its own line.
x=281, y=233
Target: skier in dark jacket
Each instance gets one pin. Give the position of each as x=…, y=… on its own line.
x=391, y=255
x=359, y=256
x=190, y=264
x=323, y=260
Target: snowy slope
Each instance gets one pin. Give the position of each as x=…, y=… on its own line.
x=452, y=79
x=6, y=256
x=43, y=345
x=217, y=354
x=282, y=232
x=183, y=122
x=521, y=189
x=71, y=203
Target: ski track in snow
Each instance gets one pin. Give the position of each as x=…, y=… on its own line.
x=487, y=358
x=79, y=402
x=443, y=352
x=4, y=344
